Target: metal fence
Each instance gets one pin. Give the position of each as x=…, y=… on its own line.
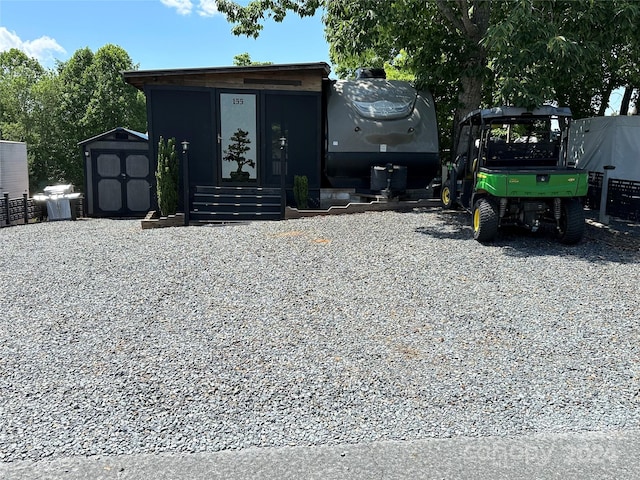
x=623, y=198
x=20, y=211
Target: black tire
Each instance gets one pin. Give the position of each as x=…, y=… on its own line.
x=572, y=222
x=485, y=220
x=446, y=195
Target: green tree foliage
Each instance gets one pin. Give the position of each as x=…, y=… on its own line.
x=473, y=53
x=244, y=60
x=53, y=110
x=46, y=147
x=398, y=70
x=27, y=94
x=167, y=177
x=113, y=102
x=19, y=75
x=248, y=19
x=95, y=99
x=571, y=52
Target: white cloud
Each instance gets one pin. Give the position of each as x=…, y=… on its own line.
x=183, y=7
x=8, y=40
x=43, y=48
x=207, y=8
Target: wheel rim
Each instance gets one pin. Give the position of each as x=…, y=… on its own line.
x=446, y=195
x=476, y=219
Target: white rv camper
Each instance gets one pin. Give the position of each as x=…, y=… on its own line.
x=372, y=121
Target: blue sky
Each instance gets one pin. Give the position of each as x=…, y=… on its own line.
x=157, y=34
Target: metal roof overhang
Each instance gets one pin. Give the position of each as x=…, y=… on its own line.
x=138, y=78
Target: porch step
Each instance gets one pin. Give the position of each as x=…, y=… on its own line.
x=234, y=204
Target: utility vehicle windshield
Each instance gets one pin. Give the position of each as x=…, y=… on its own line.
x=520, y=142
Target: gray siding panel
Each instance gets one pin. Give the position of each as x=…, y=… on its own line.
x=14, y=172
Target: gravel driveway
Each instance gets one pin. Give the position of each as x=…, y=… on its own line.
x=324, y=330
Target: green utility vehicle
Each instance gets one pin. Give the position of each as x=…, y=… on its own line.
x=510, y=169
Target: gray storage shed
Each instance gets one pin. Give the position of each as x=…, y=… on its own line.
x=119, y=175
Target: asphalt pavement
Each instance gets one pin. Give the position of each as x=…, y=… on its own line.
x=589, y=455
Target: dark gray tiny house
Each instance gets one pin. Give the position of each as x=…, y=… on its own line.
x=119, y=175
x=276, y=109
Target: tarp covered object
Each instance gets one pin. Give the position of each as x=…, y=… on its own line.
x=599, y=141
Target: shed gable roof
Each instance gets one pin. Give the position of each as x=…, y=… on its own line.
x=112, y=134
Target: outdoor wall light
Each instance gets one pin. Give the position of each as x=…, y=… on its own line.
x=185, y=146
x=283, y=142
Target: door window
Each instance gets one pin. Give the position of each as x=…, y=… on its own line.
x=238, y=139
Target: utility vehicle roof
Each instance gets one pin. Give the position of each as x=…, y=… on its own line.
x=499, y=112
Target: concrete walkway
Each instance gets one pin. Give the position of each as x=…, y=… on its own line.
x=593, y=455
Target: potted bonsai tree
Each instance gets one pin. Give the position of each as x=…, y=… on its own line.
x=236, y=151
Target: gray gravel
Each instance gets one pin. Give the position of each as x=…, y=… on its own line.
x=324, y=330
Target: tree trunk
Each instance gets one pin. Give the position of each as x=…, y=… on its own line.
x=626, y=100
x=471, y=18
x=469, y=98
x=604, y=104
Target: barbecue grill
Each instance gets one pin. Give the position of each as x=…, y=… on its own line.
x=60, y=201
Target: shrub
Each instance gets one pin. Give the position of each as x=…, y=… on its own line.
x=167, y=177
x=301, y=191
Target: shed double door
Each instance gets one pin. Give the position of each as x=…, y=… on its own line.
x=122, y=182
